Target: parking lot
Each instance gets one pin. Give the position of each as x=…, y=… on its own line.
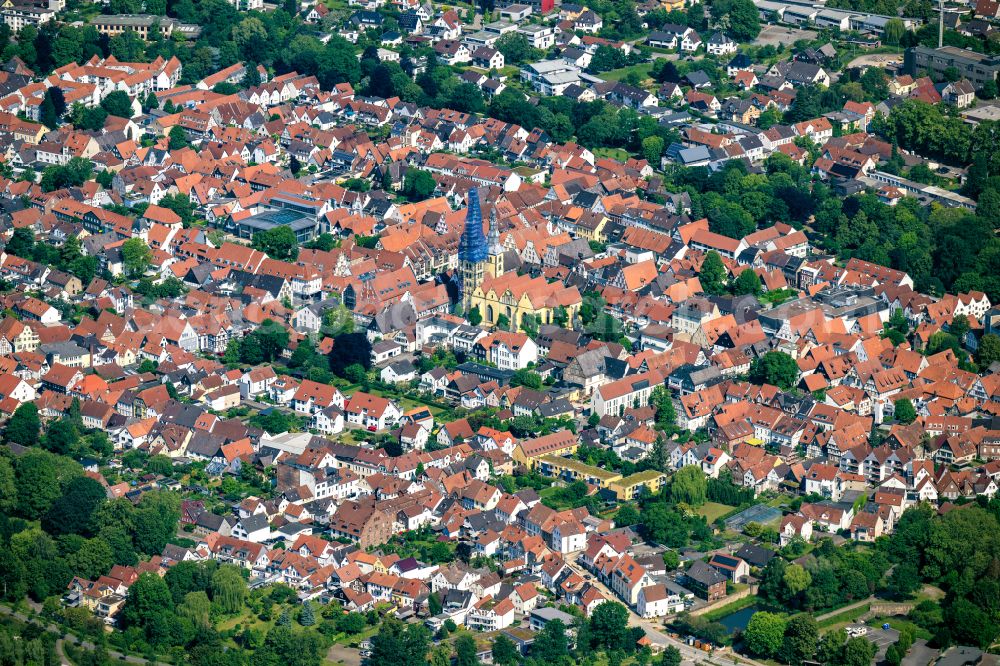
x=780, y=35
x=882, y=638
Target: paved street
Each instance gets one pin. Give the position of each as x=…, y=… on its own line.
x=7, y=610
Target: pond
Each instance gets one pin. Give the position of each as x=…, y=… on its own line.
x=737, y=620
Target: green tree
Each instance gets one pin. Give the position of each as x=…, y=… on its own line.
x=37, y=481
x=49, y=112
x=179, y=204
x=178, y=138
x=777, y=368
x=796, y=579
x=93, y=559
x=671, y=656
x=713, y=274
x=764, y=634
x=136, y=256
x=229, y=589
x=504, y=651
x=21, y=243
x=551, y=644
x=8, y=487
x=62, y=437
x=148, y=599
x=475, y=317
x=465, y=651
x=351, y=623
x=894, y=30
x=24, y=426
x=904, y=411
x=118, y=103
x=740, y=17
x=989, y=350
x=72, y=513
x=904, y=580
x=609, y=626
x=971, y=624
x=307, y=617
x=689, y=485
x=196, y=607
x=652, y=149
x=397, y=644
x=627, y=515
x=526, y=377
x=418, y=185
x=155, y=521
x=959, y=327
x=858, y=651
x=529, y=324
x=747, y=282
x=278, y=243
x=515, y=48
x=799, y=642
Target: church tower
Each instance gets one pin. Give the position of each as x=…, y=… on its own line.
x=494, y=258
x=472, y=251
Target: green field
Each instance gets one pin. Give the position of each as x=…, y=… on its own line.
x=713, y=511
x=840, y=620
x=643, y=68
x=619, y=154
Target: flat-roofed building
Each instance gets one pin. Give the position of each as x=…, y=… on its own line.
x=975, y=67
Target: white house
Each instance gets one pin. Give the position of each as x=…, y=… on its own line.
x=371, y=411
x=399, y=372
x=720, y=45
x=658, y=601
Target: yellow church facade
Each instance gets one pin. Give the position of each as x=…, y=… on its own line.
x=517, y=296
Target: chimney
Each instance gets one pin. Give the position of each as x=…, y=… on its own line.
x=940, y=23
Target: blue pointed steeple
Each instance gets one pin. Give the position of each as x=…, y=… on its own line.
x=473, y=247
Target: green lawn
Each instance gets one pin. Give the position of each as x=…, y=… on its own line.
x=619, y=154
x=713, y=511
x=840, y=620
x=779, y=502
x=643, y=68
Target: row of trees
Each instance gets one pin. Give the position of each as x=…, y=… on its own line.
x=606, y=631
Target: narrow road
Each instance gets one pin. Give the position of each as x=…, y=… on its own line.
x=64, y=637
x=844, y=609
x=654, y=628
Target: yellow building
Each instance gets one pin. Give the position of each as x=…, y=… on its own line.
x=530, y=451
x=570, y=470
x=516, y=296
x=648, y=481
x=587, y=224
